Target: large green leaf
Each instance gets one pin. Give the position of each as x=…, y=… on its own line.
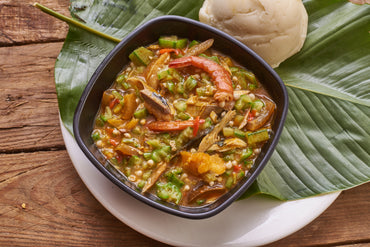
x=325, y=145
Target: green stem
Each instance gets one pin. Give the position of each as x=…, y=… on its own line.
x=75, y=23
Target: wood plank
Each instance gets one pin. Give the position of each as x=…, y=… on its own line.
x=58, y=210
x=345, y=222
x=31, y=138
x=28, y=96
x=22, y=23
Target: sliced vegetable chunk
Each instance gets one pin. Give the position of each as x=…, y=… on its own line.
x=258, y=136
x=172, y=42
x=141, y=56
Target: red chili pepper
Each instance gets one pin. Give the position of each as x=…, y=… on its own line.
x=196, y=126
x=172, y=125
x=109, y=130
x=251, y=115
x=113, y=142
x=176, y=51
x=237, y=168
x=119, y=158
x=113, y=103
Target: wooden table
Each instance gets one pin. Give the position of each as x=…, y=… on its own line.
x=43, y=201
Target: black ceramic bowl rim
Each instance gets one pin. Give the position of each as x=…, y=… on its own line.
x=186, y=212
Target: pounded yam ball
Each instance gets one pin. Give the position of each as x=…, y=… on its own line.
x=274, y=29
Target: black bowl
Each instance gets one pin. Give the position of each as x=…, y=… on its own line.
x=147, y=34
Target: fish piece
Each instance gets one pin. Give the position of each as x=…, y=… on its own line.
x=207, y=192
x=153, y=69
x=128, y=150
x=229, y=144
x=196, y=106
x=207, y=109
x=199, y=48
x=245, y=119
x=129, y=106
x=154, y=176
x=156, y=105
x=238, y=93
x=136, y=81
x=211, y=138
x=203, y=109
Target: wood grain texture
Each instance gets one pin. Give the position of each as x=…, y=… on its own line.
x=57, y=209
x=22, y=23
x=29, y=108
x=43, y=202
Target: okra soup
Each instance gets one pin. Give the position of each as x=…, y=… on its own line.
x=183, y=121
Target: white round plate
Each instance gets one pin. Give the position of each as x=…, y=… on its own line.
x=250, y=222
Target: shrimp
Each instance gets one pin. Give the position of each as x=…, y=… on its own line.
x=219, y=75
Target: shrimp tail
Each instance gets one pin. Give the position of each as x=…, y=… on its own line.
x=180, y=62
